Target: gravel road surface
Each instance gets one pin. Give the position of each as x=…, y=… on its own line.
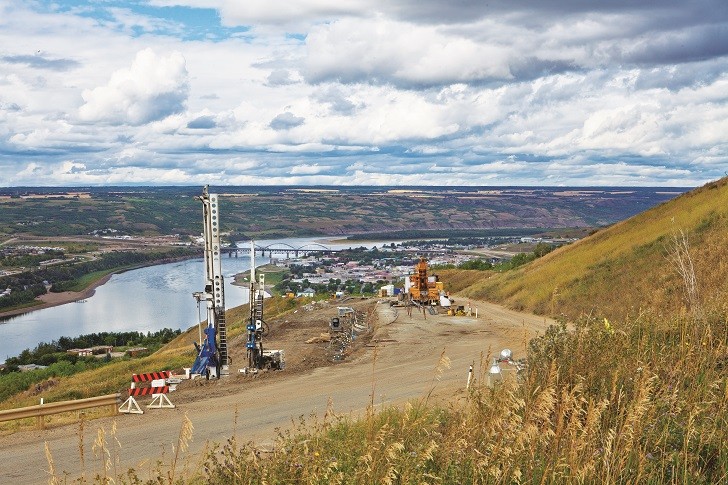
x=397, y=364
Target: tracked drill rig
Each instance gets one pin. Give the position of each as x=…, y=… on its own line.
x=256, y=326
x=212, y=359
x=258, y=358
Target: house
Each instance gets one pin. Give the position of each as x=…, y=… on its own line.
x=307, y=293
x=102, y=349
x=387, y=290
x=80, y=352
x=136, y=351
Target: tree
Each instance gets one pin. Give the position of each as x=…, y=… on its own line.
x=543, y=249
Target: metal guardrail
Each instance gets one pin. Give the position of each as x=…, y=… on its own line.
x=40, y=410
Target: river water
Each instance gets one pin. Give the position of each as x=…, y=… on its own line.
x=145, y=299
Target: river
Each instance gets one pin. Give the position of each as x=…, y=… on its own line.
x=145, y=299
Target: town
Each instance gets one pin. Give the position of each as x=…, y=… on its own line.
x=383, y=270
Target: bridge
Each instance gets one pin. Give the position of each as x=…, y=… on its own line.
x=280, y=248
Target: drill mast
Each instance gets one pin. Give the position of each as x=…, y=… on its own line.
x=212, y=360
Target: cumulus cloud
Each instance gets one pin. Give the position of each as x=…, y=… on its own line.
x=283, y=12
x=202, y=123
x=286, y=121
x=383, y=50
x=280, y=77
x=307, y=169
x=154, y=87
x=337, y=99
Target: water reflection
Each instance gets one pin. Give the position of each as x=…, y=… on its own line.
x=145, y=299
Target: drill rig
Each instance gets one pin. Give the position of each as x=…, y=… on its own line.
x=421, y=288
x=212, y=359
x=258, y=358
x=256, y=326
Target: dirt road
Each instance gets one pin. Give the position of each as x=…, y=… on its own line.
x=407, y=352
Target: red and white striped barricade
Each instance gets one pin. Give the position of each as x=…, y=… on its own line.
x=158, y=389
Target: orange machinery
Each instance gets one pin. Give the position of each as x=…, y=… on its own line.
x=422, y=288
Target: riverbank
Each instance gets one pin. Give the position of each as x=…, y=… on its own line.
x=54, y=299
x=51, y=299
x=273, y=275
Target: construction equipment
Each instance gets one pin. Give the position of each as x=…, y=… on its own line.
x=212, y=359
x=258, y=358
x=424, y=289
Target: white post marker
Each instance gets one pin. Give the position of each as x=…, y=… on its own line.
x=494, y=373
x=470, y=376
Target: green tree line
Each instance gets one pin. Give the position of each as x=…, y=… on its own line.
x=26, y=286
x=60, y=363
x=519, y=259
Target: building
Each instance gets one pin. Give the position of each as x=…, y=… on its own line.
x=307, y=293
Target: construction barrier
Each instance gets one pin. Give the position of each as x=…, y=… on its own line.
x=158, y=389
x=150, y=376
x=148, y=391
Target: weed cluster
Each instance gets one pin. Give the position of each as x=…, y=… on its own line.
x=640, y=402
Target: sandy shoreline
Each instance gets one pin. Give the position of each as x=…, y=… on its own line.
x=54, y=299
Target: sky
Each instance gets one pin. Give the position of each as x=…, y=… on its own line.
x=363, y=92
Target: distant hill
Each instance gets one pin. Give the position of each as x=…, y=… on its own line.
x=277, y=212
x=623, y=269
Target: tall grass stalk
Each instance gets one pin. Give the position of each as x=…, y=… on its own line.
x=631, y=401
x=679, y=255
x=183, y=441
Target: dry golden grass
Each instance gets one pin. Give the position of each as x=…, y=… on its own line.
x=641, y=401
x=622, y=269
x=641, y=398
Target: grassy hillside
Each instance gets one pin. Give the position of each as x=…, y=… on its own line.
x=622, y=269
x=641, y=398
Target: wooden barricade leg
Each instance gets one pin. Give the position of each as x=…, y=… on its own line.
x=130, y=406
x=160, y=401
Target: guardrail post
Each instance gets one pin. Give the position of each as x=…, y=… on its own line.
x=40, y=420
